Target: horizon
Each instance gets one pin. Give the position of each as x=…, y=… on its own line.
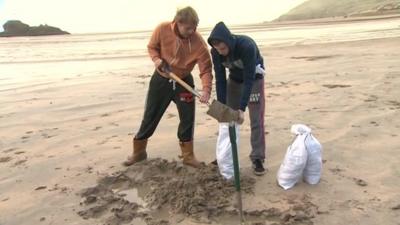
x=90, y=16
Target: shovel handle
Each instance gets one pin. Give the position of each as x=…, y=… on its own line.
x=184, y=84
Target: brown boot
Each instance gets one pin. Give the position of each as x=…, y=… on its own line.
x=188, y=155
x=139, y=152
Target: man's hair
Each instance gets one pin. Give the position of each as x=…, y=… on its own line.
x=187, y=15
x=215, y=42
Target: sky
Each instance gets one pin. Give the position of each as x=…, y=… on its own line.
x=90, y=16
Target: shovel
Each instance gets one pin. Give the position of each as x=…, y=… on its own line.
x=222, y=113
x=232, y=137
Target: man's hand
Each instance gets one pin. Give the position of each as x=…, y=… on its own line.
x=158, y=63
x=205, y=97
x=241, y=117
x=162, y=67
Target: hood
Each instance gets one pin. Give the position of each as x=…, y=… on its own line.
x=222, y=33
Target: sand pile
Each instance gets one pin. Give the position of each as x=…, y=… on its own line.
x=149, y=188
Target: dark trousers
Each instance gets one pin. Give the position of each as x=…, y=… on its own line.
x=161, y=92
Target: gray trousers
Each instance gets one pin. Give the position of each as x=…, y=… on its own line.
x=256, y=108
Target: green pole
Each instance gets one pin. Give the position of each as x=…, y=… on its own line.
x=232, y=137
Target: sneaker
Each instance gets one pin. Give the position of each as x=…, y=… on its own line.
x=258, y=167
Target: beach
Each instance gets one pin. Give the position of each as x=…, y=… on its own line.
x=70, y=106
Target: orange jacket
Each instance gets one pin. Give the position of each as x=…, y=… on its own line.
x=181, y=54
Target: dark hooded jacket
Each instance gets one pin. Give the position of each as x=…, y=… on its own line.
x=241, y=61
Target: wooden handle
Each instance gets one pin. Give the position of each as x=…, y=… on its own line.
x=184, y=84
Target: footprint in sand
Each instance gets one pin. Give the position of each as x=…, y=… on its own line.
x=10, y=150
x=96, y=128
x=29, y=132
x=397, y=207
x=117, y=147
x=102, y=142
x=336, y=170
x=374, y=123
x=83, y=120
x=360, y=182
x=19, y=162
x=25, y=137
x=40, y=188
x=170, y=115
x=89, y=169
x=19, y=152
x=47, y=136
x=105, y=115
x=314, y=58
x=144, y=76
x=371, y=98
x=396, y=104
x=57, y=187
x=107, y=139
x=5, y=159
x=336, y=86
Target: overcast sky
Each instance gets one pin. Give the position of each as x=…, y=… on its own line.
x=86, y=16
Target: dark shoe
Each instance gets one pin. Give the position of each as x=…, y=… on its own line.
x=215, y=163
x=258, y=167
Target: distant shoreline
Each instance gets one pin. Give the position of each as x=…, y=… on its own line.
x=321, y=21
x=310, y=22
x=332, y=20
x=277, y=23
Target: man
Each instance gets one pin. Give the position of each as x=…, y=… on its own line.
x=174, y=46
x=245, y=86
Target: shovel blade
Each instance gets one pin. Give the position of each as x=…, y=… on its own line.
x=222, y=112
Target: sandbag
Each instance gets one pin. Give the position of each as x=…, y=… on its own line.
x=312, y=171
x=303, y=159
x=224, y=150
